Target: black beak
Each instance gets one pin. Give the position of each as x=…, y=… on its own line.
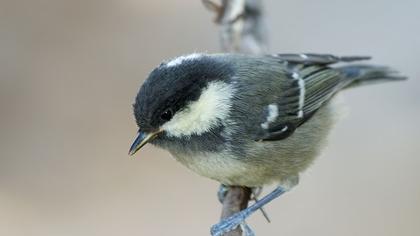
x=142, y=139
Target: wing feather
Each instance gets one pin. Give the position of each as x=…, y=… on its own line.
x=311, y=83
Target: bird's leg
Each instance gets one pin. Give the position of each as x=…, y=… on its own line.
x=221, y=193
x=256, y=192
x=237, y=219
x=246, y=230
x=223, y=189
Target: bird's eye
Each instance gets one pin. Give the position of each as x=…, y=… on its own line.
x=166, y=115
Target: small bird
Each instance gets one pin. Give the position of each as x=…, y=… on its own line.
x=246, y=120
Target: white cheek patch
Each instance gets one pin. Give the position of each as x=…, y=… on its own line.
x=273, y=113
x=200, y=116
x=181, y=59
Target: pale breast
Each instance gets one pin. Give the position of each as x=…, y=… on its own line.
x=222, y=167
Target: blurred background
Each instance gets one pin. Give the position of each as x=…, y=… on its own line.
x=69, y=71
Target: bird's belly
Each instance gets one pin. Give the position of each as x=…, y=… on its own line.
x=225, y=168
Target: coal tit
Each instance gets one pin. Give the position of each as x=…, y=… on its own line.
x=246, y=120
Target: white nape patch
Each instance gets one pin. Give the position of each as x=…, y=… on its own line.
x=302, y=91
x=181, y=59
x=273, y=113
x=200, y=116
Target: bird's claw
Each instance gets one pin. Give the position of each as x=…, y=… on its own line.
x=246, y=230
x=255, y=193
x=231, y=223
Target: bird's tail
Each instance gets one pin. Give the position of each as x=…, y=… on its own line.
x=368, y=74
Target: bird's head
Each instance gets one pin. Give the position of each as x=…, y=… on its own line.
x=187, y=96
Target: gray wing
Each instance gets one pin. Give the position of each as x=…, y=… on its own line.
x=310, y=84
x=317, y=59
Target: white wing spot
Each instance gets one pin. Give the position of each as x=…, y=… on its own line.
x=273, y=113
x=302, y=91
x=301, y=97
x=300, y=114
x=304, y=56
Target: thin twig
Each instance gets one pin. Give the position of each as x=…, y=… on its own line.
x=241, y=30
x=242, y=27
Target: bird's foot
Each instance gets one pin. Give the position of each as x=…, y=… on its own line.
x=256, y=191
x=237, y=219
x=231, y=223
x=246, y=230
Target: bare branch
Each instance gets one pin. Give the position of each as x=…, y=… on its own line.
x=242, y=28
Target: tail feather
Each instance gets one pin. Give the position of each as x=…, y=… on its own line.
x=369, y=74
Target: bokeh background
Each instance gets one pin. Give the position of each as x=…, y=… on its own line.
x=69, y=70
